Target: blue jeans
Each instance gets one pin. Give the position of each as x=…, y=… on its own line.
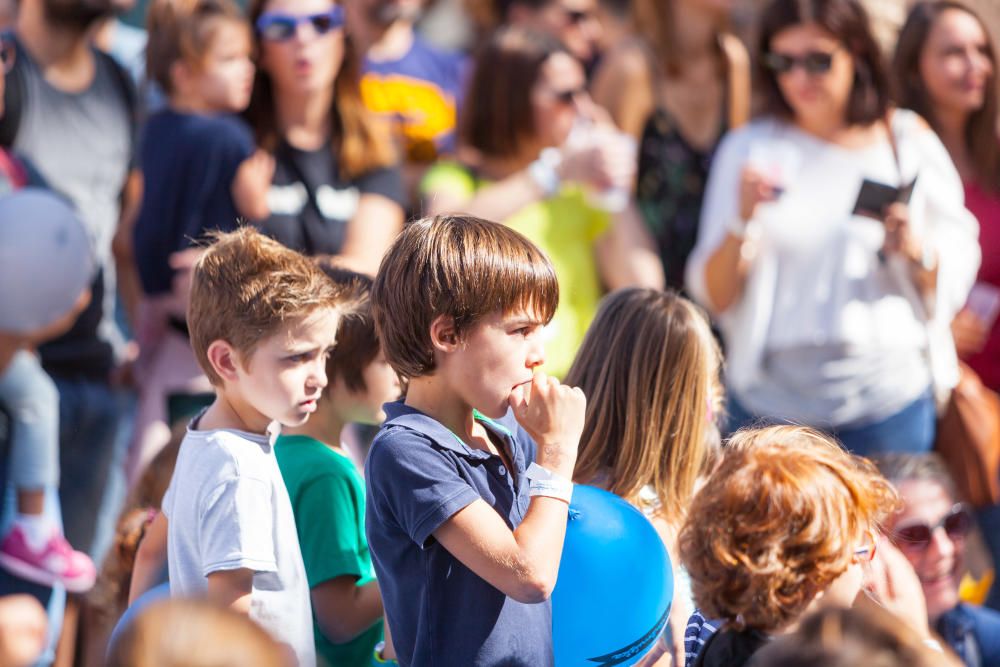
x=911, y=430
x=29, y=397
x=94, y=428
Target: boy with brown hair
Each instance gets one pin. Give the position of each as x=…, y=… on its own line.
x=465, y=536
x=263, y=319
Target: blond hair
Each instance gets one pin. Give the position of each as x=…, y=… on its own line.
x=194, y=633
x=246, y=287
x=777, y=522
x=649, y=366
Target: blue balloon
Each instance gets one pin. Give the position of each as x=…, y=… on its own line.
x=158, y=592
x=615, y=585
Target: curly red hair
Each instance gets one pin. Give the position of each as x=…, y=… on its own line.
x=777, y=522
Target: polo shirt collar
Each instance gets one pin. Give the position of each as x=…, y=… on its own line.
x=400, y=414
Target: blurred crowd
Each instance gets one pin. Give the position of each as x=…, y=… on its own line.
x=815, y=184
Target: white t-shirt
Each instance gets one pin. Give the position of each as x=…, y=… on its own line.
x=227, y=508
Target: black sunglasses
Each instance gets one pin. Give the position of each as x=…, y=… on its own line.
x=569, y=96
x=813, y=62
x=7, y=54
x=576, y=16
x=278, y=27
x=917, y=536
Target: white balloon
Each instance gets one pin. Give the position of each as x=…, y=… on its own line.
x=45, y=259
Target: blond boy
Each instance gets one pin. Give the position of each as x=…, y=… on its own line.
x=263, y=320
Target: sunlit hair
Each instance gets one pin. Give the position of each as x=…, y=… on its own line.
x=195, y=633
x=836, y=637
x=777, y=522
x=183, y=31
x=247, y=287
x=497, y=117
x=848, y=22
x=648, y=366
x=981, y=128
x=929, y=467
x=461, y=267
x=361, y=142
x=357, y=341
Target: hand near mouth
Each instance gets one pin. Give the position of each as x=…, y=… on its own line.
x=553, y=415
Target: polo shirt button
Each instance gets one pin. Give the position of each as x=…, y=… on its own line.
x=502, y=470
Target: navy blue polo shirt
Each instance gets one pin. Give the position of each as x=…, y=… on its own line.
x=419, y=474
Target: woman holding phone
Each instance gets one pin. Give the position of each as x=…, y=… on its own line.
x=831, y=314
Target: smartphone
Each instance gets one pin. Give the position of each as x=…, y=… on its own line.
x=874, y=197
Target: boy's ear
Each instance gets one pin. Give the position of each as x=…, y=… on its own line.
x=224, y=359
x=444, y=336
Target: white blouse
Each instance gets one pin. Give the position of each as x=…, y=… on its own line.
x=817, y=282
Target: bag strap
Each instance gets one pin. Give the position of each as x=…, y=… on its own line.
x=14, y=93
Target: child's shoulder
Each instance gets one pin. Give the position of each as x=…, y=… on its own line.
x=221, y=455
x=209, y=129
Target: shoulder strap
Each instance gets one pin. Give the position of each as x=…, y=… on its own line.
x=14, y=93
x=126, y=87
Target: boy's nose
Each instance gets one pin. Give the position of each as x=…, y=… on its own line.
x=536, y=356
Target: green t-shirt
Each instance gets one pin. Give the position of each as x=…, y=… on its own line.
x=328, y=499
x=566, y=228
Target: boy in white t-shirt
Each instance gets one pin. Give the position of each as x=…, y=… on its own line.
x=262, y=320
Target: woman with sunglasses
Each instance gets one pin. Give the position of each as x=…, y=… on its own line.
x=337, y=189
x=834, y=246
x=535, y=154
x=931, y=531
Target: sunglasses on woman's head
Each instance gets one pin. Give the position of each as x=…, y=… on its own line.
x=917, y=536
x=278, y=27
x=814, y=62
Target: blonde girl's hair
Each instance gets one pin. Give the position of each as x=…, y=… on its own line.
x=649, y=366
x=182, y=31
x=362, y=141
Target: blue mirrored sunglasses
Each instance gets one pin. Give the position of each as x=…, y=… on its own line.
x=277, y=27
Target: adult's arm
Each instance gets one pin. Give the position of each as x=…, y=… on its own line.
x=717, y=269
x=626, y=256
x=370, y=232
x=123, y=249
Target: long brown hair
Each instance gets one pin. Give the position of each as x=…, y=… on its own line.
x=981, y=128
x=361, y=142
x=649, y=368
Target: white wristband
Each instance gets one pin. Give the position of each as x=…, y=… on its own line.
x=543, y=482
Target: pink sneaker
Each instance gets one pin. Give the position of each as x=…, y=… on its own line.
x=56, y=562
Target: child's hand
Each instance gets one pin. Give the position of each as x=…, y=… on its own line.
x=553, y=415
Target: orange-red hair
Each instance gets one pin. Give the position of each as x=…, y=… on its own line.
x=777, y=522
